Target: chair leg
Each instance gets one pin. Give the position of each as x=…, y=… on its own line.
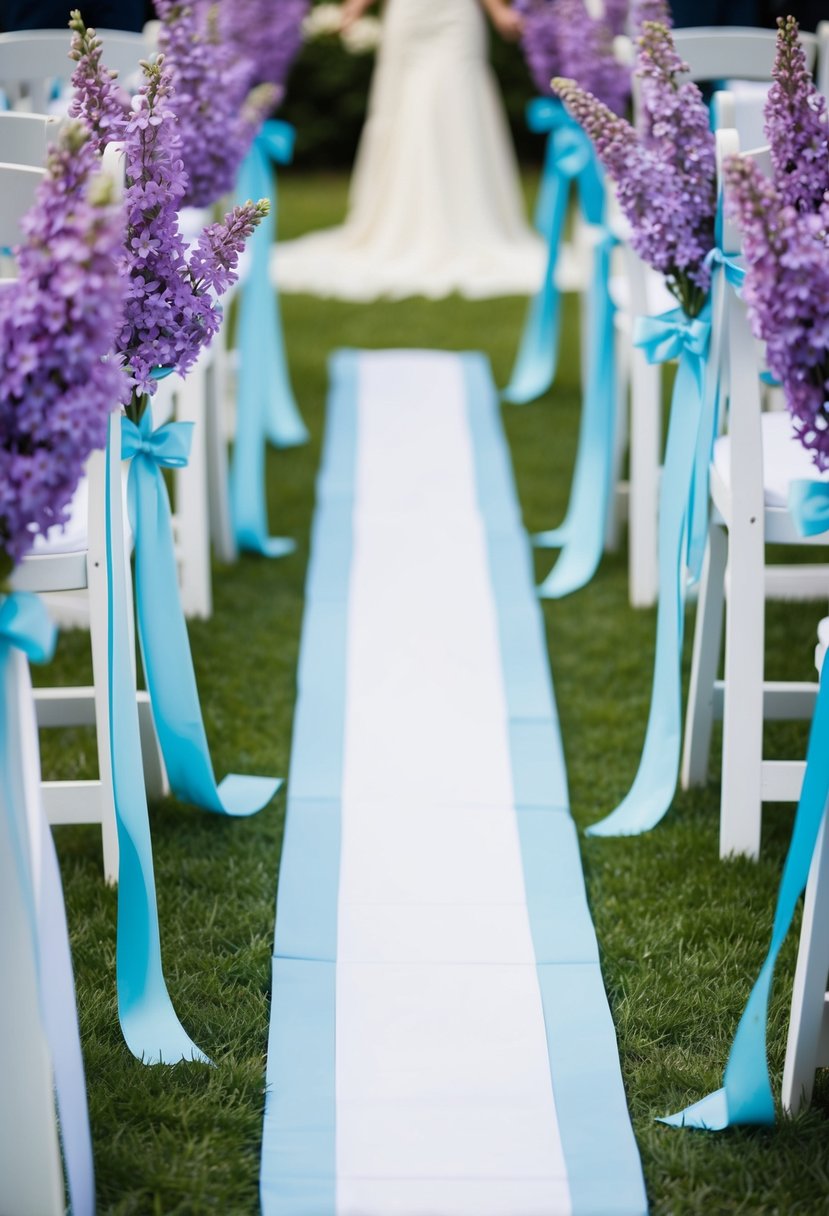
x=218, y=491
x=643, y=505
x=809, y=1024
x=699, y=718
x=191, y=517
x=99, y=640
x=741, y=797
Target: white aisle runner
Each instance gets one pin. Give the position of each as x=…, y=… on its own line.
x=440, y=1039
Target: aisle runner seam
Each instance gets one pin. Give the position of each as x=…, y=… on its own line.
x=299, y=1152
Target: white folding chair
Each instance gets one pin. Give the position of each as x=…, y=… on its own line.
x=34, y=62
x=72, y=559
x=712, y=54
x=807, y=1048
x=752, y=469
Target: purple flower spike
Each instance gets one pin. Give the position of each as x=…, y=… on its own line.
x=561, y=38
x=665, y=176
x=796, y=124
x=266, y=35
x=171, y=308
x=786, y=291
x=217, y=116
x=58, y=320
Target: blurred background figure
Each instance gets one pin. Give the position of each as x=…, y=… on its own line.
x=435, y=203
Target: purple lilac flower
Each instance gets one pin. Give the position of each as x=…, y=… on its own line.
x=649, y=10
x=266, y=34
x=561, y=38
x=171, y=311
x=796, y=125
x=58, y=320
x=217, y=117
x=786, y=291
x=665, y=176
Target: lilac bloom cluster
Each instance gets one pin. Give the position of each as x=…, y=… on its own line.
x=217, y=116
x=649, y=10
x=561, y=38
x=786, y=291
x=796, y=125
x=266, y=36
x=58, y=320
x=665, y=176
x=785, y=225
x=171, y=309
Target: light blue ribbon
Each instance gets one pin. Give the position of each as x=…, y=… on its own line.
x=162, y=631
x=809, y=505
x=669, y=336
x=746, y=1095
x=582, y=532
x=150, y=1025
x=569, y=156
x=266, y=407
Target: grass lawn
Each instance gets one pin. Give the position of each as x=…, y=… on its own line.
x=682, y=934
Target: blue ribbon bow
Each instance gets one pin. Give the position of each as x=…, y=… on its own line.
x=162, y=631
x=569, y=156
x=669, y=336
x=266, y=405
x=809, y=506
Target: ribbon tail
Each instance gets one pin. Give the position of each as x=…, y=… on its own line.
x=655, y=784
x=537, y=358
x=168, y=663
x=585, y=522
x=746, y=1084
x=151, y=1027
x=545, y=202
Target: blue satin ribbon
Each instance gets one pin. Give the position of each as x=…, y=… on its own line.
x=668, y=336
x=809, y=506
x=162, y=631
x=569, y=156
x=266, y=407
x=582, y=532
x=150, y=1025
x=746, y=1095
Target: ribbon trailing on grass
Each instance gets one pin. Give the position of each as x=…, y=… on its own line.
x=746, y=1095
x=581, y=534
x=662, y=338
x=26, y=628
x=266, y=406
x=569, y=156
x=149, y=1023
x=682, y=532
x=162, y=631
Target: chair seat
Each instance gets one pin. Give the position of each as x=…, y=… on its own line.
x=784, y=459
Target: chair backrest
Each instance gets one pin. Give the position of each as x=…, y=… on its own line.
x=25, y=138
x=733, y=52
x=18, y=184
x=33, y=61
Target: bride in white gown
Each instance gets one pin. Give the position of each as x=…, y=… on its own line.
x=435, y=204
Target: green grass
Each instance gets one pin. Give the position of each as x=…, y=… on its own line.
x=681, y=934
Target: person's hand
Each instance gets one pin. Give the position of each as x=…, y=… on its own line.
x=352, y=11
x=508, y=23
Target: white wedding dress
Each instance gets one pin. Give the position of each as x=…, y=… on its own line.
x=435, y=205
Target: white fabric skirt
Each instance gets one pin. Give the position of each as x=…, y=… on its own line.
x=435, y=203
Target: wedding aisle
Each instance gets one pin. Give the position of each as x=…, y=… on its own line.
x=440, y=1040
